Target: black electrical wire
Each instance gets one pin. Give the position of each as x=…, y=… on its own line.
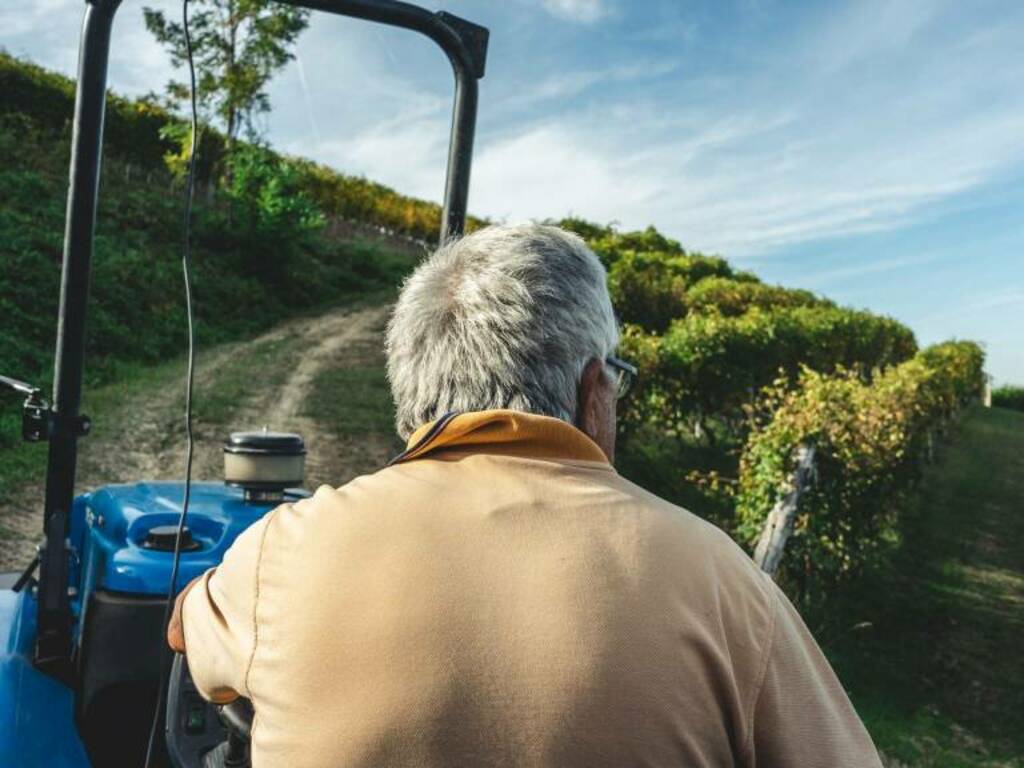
x=186, y=268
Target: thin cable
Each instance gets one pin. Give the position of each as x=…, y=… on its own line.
x=186, y=268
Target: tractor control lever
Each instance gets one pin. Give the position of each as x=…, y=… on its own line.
x=234, y=751
x=38, y=419
x=19, y=386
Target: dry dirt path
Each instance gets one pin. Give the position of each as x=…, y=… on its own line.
x=328, y=342
x=267, y=381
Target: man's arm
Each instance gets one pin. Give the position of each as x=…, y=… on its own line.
x=803, y=716
x=213, y=620
x=175, y=632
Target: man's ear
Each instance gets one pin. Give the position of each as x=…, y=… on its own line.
x=588, y=399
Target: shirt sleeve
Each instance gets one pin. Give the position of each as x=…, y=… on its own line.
x=803, y=717
x=219, y=619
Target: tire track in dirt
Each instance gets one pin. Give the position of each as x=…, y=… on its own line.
x=145, y=438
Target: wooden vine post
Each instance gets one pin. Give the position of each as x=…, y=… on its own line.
x=779, y=525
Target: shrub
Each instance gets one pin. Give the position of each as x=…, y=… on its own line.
x=268, y=208
x=1008, y=397
x=131, y=128
x=649, y=274
x=650, y=288
x=144, y=133
x=869, y=437
x=731, y=297
x=710, y=364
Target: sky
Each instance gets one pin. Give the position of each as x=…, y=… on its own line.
x=871, y=151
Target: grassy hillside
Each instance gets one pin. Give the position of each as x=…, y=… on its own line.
x=244, y=280
x=142, y=133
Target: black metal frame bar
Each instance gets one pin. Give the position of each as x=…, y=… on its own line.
x=463, y=42
x=53, y=637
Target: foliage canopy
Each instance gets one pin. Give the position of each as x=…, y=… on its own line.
x=237, y=46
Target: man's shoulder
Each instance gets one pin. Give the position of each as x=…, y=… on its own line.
x=428, y=480
x=685, y=541
x=701, y=553
x=685, y=524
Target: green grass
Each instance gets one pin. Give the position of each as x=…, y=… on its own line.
x=23, y=465
x=930, y=642
x=354, y=399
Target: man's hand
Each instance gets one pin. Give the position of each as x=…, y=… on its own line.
x=175, y=630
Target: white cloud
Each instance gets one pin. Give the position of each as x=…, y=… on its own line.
x=566, y=85
x=583, y=11
x=791, y=153
x=48, y=31
x=139, y=64
x=866, y=29
x=743, y=182
x=551, y=170
x=29, y=18
x=821, y=278
x=976, y=304
x=406, y=153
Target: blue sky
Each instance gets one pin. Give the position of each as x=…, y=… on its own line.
x=872, y=151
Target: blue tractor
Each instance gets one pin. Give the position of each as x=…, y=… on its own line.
x=85, y=675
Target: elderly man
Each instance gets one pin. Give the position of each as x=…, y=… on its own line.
x=498, y=595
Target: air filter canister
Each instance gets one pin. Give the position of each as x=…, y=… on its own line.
x=264, y=463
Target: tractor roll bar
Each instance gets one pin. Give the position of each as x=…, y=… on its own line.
x=463, y=42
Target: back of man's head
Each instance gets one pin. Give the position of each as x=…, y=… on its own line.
x=506, y=317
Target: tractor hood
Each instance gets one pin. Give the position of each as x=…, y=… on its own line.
x=124, y=534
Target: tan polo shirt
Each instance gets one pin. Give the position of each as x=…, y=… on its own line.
x=502, y=597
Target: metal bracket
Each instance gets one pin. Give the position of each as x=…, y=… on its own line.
x=38, y=419
x=39, y=422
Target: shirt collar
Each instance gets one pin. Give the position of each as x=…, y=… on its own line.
x=504, y=432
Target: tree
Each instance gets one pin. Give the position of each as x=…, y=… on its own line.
x=237, y=46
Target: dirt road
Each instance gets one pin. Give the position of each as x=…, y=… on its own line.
x=268, y=381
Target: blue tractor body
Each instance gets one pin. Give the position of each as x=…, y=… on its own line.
x=37, y=724
x=111, y=556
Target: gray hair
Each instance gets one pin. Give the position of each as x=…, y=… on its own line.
x=506, y=317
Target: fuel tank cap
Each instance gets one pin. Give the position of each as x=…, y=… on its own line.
x=264, y=463
x=162, y=538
